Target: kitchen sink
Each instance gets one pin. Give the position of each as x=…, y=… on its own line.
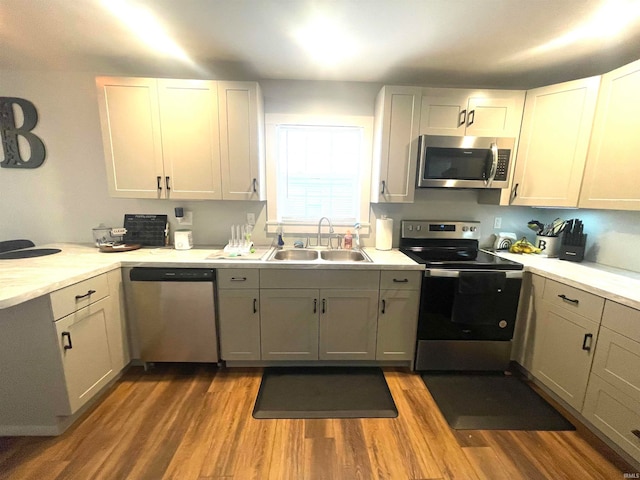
x=300, y=254
x=312, y=255
x=343, y=256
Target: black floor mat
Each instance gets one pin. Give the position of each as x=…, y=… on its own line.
x=324, y=392
x=492, y=402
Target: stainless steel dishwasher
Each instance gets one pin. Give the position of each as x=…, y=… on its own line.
x=172, y=314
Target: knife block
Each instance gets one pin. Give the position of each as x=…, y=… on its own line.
x=573, y=253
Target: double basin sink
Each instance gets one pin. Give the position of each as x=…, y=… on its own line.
x=310, y=255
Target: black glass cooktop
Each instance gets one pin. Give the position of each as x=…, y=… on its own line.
x=482, y=261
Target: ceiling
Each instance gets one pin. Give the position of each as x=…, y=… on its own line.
x=481, y=43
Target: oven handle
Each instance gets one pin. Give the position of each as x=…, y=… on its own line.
x=439, y=272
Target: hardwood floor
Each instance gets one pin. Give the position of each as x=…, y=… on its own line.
x=194, y=422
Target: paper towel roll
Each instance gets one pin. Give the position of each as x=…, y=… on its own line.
x=384, y=233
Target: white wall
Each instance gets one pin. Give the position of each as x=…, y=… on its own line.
x=67, y=196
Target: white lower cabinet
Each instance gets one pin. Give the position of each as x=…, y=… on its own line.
x=239, y=313
x=612, y=403
x=318, y=314
x=84, y=351
x=563, y=353
x=58, y=352
x=348, y=321
x=398, y=315
x=289, y=324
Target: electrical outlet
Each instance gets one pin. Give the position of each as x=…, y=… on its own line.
x=251, y=218
x=187, y=219
x=497, y=222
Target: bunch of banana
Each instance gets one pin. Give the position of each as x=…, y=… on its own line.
x=524, y=246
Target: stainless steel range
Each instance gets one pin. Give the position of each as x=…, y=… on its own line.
x=469, y=297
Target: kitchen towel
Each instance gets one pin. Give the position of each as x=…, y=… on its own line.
x=384, y=233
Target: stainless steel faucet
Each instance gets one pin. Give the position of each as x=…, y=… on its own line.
x=356, y=228
x=319, y=231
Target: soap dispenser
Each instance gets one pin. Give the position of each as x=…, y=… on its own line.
x=348, y=240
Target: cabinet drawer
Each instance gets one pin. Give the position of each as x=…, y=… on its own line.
x=615, y=414
x=617, y=360
x=238, y=278
x=400, y=280
x=622, y=319
x=295, y=278
x=74, y=297
x=574, y=299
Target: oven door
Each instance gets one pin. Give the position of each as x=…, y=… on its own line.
x=467, y=319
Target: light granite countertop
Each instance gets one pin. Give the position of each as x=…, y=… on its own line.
x=25, y=279
x=618, y=285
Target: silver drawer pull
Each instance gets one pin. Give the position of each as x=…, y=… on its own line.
x=238, y=279
x=90, y=292
x=400, y=280
x=572, y=300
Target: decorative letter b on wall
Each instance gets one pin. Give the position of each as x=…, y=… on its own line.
x=10, y=133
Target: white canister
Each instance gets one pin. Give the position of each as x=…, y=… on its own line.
x=550, y=246
x=384, y=233
x=182, y=239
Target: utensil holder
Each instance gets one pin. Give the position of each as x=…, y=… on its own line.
x=573, y=253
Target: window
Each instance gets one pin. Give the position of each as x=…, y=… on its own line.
x=318, y=167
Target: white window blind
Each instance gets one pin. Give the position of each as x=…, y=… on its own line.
x=319, y=173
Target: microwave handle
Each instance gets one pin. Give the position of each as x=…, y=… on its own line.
x=494, y=164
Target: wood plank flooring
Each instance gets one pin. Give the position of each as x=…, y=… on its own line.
x=194, y=422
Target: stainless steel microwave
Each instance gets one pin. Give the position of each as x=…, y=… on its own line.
x=464, y=162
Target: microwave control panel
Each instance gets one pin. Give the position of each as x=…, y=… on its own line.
x=503, y=165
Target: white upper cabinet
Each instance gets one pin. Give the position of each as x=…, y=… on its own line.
x=554, y=140
x=242, y=141
x=130, y=120
x=190, y=145
x=481, y=113
x=182, y=139
x=397, y=118
x=612, y=172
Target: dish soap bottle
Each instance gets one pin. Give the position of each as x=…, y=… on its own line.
x=348, y=240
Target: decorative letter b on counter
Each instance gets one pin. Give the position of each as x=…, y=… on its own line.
x=10, y=133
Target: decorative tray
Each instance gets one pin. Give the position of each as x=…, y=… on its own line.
x=123, y=247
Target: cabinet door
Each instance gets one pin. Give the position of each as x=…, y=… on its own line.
x=397, y=324
x=116, y=323
x=529, y=311
x=84, y=350
x=495, y=113
x=239, y=324
x=348, y=321
x=289, y=324
x=612, y=170
x=190, y=139
x=444, y=112
x=556, y=128
x=241, y=140
x=395, y=145
x=563, y=353
x=130, y=122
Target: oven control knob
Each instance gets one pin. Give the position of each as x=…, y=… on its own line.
x=411, y=228
x=473, y=229
x=418, y=228
x=502, y=324
x=464, y=229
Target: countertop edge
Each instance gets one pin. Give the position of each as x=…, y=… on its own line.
x=79, y=262
x=617, y=285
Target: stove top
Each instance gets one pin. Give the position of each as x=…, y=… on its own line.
x=449, y=245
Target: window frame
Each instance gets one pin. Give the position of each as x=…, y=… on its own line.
x=272, y=121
